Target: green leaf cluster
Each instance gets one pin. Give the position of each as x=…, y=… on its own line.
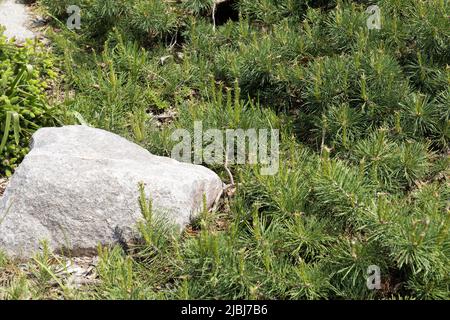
x=26, y=73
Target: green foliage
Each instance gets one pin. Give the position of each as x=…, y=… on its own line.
x=145, y=20
x=198, y=6
x=26, y=73
x=364, y=125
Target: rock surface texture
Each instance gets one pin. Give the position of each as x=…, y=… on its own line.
x=78, y=187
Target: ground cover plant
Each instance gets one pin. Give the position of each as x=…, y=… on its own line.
x=364, y=123
x=26, y=74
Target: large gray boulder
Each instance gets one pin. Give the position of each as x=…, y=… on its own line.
x=78, y=187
